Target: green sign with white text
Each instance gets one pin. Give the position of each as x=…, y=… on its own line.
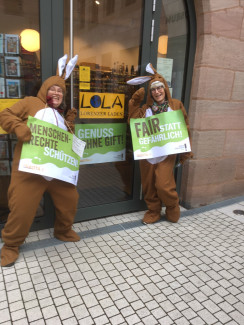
x=49, y=152
x=104, y=142
x=159, y=135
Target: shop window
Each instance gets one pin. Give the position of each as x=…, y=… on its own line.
x=172, y=43
x=19, y=74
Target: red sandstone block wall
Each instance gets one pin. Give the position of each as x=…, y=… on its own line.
x=216, y=111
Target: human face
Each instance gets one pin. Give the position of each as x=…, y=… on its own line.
x=158, y=94
x=57, y=95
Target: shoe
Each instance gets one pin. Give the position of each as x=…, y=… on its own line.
x=9, y=255
x=151, y=217
x=173, y=214
x=172, y=219
x=70, y=235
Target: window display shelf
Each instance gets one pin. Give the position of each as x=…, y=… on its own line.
x=19, y=69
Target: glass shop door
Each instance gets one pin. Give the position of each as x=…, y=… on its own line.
x=107, y=39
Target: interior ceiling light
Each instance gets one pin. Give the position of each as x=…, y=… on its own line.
x=30, y=40
x=97, y=2
x=163, y=44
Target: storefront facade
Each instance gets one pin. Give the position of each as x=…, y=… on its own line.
x=114, y=41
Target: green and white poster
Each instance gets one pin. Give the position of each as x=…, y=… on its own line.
x=159, y=135
x=49, y=152
x=104, y=142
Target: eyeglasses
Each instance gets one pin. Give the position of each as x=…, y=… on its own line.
x=158, y=89
x=56, y=90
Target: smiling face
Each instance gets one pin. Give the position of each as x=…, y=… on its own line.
x=158, y=94
x=56, y=93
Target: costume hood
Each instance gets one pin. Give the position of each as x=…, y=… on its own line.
x=150, y=79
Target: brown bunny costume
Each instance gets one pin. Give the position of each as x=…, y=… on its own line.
x=158, y=183
x=26, y=189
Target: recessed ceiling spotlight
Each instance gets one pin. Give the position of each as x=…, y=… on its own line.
x=97, y=2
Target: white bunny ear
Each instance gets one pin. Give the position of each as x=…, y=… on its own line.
x=138, y=80
x=149, y=69
x=70, y=66
x=61, y=65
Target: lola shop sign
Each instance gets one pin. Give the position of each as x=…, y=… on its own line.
x=49, y=152
x=159, y=135
x=101, y=105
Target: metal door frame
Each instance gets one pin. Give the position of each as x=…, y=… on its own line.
x=51, y=38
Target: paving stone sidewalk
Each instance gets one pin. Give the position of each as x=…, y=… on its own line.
x=123, y=272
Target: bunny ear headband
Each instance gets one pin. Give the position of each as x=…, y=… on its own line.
x=65, y=70
x=142, y=79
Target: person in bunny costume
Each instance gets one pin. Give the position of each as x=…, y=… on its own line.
x=157, y=177
x=26, y=189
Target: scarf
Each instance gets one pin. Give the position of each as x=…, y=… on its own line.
x=157, y=109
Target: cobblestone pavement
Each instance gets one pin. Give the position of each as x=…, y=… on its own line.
x=124, y=272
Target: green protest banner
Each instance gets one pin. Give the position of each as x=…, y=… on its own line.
x=104, y=142
x=49, y=152
x=159, y=135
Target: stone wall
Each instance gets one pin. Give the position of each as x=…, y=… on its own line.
x=216, y=111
